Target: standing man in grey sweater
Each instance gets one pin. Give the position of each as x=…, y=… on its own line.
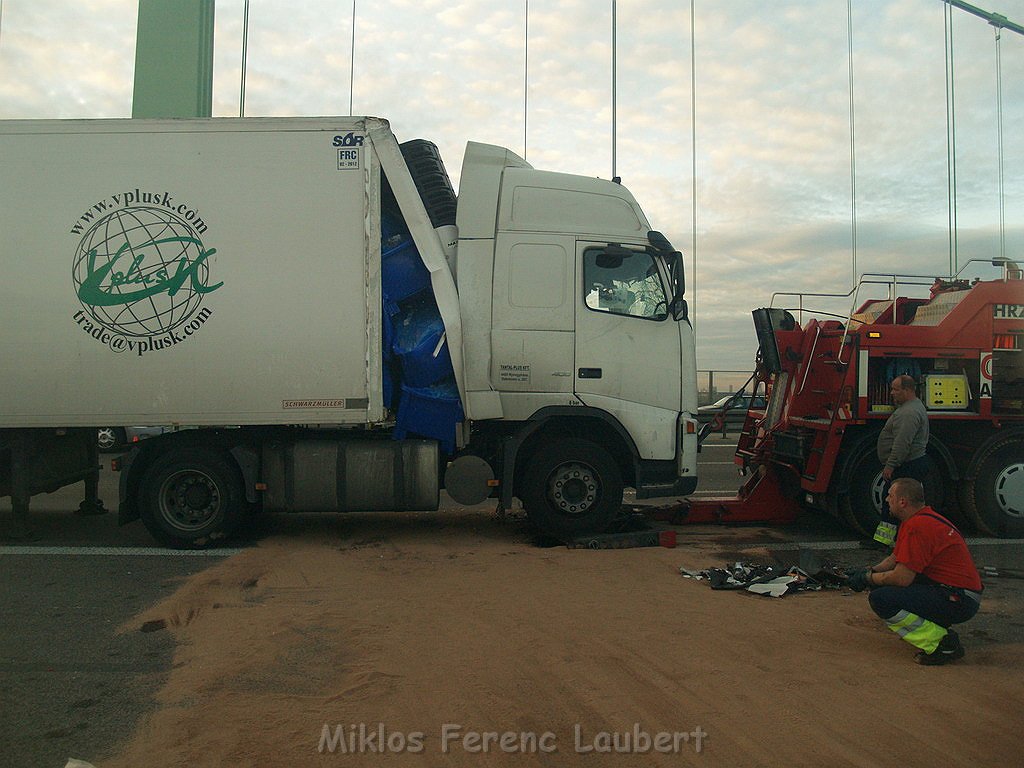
x=901, y=447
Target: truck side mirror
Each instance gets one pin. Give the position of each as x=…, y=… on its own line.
x=678, y=272
x=659, y=241
x=679, y=308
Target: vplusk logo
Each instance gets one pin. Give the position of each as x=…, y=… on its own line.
x=141, y=273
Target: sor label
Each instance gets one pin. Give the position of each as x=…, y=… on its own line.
x=348, y=140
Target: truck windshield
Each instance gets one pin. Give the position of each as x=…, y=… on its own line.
x=624, y=282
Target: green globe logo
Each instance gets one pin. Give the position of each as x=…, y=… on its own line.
x=141, y=272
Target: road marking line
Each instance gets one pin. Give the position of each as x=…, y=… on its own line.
x=974, y=540
x=124, y=551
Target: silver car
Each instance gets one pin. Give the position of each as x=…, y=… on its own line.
x=737, y=412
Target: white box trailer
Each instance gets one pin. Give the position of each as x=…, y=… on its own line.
x=247, y=279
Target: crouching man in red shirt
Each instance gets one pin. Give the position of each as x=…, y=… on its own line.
x=928, y=583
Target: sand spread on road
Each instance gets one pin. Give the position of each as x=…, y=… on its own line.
x=433, y=631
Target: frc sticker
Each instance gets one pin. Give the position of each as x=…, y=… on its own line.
x=141, y=272
x=349, y=159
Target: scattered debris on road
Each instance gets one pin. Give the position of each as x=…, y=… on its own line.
x=771, y=580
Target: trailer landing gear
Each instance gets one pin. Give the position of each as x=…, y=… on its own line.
x=36, y=461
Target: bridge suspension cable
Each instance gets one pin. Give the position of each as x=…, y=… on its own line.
x=999, y=23
x=853, y=145
x=947, y=19
x=999, y=131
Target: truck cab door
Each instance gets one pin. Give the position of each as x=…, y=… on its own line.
x=532, y=321
x=628, y=348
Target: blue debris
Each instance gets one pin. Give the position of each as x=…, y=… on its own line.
x=417, y=361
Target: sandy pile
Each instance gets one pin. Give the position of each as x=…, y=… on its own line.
x=415, y=635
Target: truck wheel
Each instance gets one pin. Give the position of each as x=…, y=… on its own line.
x=993, y=494
x=110, y=438
x=191, y=499
x=861, y=506
x=572, y=487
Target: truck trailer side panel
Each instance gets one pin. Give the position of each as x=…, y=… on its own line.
x=164, y=272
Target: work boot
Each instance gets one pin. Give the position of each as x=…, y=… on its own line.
x=949, y=649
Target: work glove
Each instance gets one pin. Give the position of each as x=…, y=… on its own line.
x=858, y=580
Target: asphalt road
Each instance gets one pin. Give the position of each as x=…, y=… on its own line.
x=718, y=475
x=71, y=685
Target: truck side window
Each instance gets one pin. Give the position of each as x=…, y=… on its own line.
x=623, y=283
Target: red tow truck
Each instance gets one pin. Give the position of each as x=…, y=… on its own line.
x=826, y=384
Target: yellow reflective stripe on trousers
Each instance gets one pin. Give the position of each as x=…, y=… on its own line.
x=917, y=631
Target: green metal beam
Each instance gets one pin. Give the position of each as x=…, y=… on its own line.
x=174, y=59
x=997, y=20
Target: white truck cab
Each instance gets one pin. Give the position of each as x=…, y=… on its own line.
x=584, y=322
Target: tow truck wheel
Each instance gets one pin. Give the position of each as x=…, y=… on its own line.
x=110, y=439
x=572, y=487
x=861, y=506
x=993, y=494
x=190, y=498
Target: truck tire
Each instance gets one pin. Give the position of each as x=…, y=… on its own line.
x=993, y=492
x=109, y=439
x=860, y=507
x=191, y=498
x=428, y=172
x=572, y=487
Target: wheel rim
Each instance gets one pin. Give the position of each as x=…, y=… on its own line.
x=189, y=500
x=878, y=493
x=105, y=438
x=574, y=488
x=1009, y=490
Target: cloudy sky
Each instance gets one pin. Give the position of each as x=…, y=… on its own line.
x=772, y=118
